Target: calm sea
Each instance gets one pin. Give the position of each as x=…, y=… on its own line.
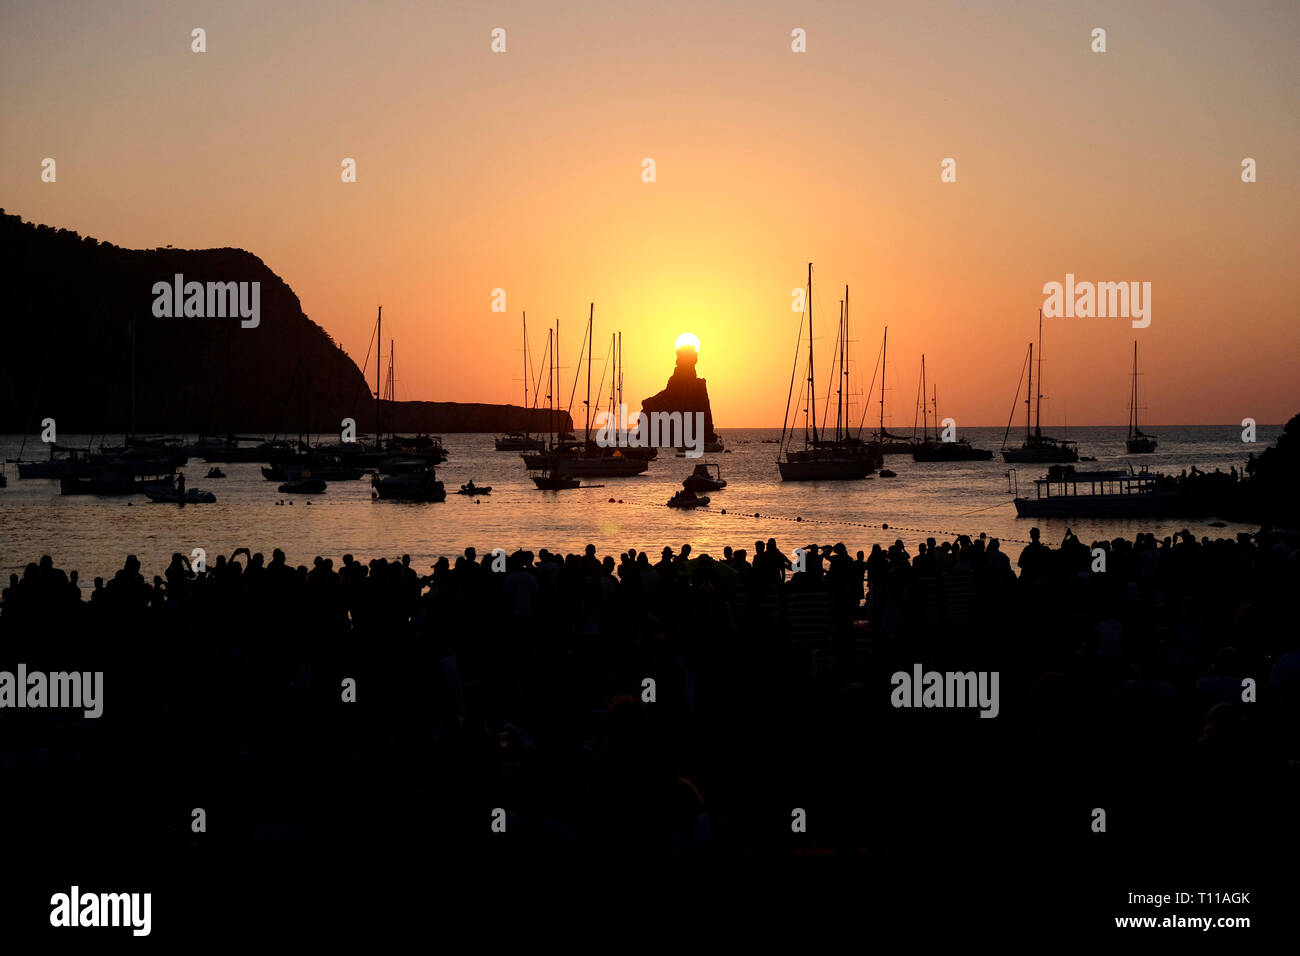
x=93, y=535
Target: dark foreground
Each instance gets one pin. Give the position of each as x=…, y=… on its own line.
x=517, y=698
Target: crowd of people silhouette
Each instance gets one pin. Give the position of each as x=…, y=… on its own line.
x=675, y=705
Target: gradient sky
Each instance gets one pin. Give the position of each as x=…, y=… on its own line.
x=523, y=171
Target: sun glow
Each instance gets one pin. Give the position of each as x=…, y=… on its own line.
x=688, y=338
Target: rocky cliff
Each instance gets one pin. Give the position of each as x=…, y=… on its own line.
x=73, y=305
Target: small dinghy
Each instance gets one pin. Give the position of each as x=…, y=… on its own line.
x=887, y=473
x=688, y=499
x=303, y=486
x=216, y=472
x=473, y=489
x=190, y=496
x=555, y=482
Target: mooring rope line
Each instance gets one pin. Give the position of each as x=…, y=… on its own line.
x=883, y=526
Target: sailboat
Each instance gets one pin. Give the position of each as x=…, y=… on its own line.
x=890, y=444
x=843, y=458
x=936, y=449
x=586, y=459
x=1137, y=443
x=550, y=480
x=522, y=441
x=1037, y=447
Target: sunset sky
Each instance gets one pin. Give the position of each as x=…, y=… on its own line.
x=522, y=171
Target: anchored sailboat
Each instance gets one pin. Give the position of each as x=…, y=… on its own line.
x=1037, y=447
x=522, y=441
x=890, y=444
x=585, y=458
x=1137, y=443
x=936, y=449
x=845, y=457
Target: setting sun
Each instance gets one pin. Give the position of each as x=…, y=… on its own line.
x=688, y=338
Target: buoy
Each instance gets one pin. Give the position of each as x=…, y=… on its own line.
x=724, y=511
x=611, y=501
x=885, y=527
x=800, y=518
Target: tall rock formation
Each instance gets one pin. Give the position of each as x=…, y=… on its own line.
x=686, y=392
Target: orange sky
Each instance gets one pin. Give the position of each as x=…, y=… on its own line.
x=522, y=170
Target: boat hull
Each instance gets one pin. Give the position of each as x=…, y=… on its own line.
x=586, y=466
x=1140, y=446
x=285, y=473
x=701, y=501
x=304, y=486
x=825, y=469
x=703, y=484
x=520, y=444
x=1040, y=455
x=950, y=451
x=1157, y=505
x=408, y=488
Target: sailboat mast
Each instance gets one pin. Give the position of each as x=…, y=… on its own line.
x=844, y=361
x=525, y=361
x=132, y=384
x=1038, y=398
x=379, y=345
x=613, y=389
x=550, y=384
x=591, y=315
x=839, y=382
x=555, y=366
x=925, y=432
x=1133, y=402
x=1029, y=395
x=812, y=385
x=883, y=346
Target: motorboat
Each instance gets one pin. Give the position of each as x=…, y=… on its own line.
x=473, y=489
x=413, y=486
x=1121, y=493
x=706, y=477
